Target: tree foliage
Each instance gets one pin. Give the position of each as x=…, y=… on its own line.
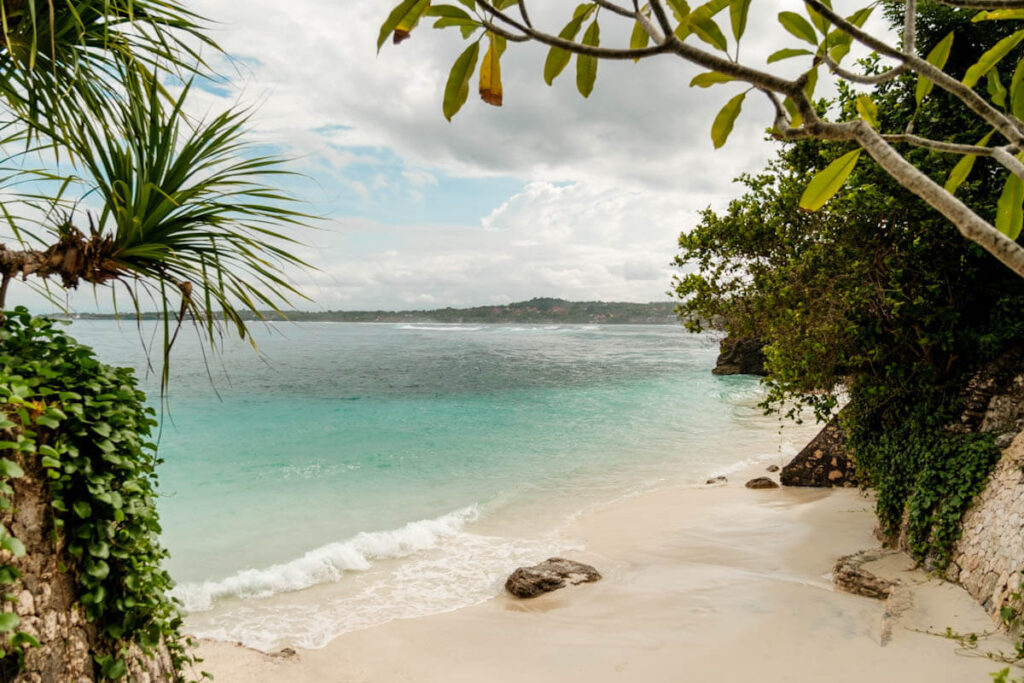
x=820, y=38
x=874, y=296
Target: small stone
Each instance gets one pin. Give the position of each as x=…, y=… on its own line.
x=773, y=468
x=285, y=653
x=834, y=475
x=716, y=480
x=761, y=483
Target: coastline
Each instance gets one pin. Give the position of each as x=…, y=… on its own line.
x=715, y=583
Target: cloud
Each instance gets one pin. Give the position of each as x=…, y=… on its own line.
x=549, y=195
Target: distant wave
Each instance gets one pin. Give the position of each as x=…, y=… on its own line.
x=326, y=563
x=441, y=328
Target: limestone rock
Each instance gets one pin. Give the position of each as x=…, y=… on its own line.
x=824, y=462
x=849, y=575
x=740, y=356
x=552, y=574
x=761, y=483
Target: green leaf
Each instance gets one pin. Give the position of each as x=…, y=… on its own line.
x=446, y=11
x=47, y=461
x=998, y=14
x=812, y=82
x=937, y=58
x=820, y=22
x=722, y=126
x=963, y=167
x=402, y=19
x=639, y=38
x=1017, y=91
x=97, y=569
x=14, y=545
x=995, y=88
x=9, y=468
x=558, y=58
x=799, y=27
x=586, y=66
x=48, y=421
x=795, y=119
x=456, y=91
x=1010, y=208
x=21, y=638
x=738, y=11
x=116, y=669
x=82, y=509
x=705, y=28
x=787, y=53
x=9, y=621
x=710, y=78
x=991, y=58
x=860, y=16
x=868, y=110
x=827, y=182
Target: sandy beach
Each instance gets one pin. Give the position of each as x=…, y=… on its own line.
x=715, y=583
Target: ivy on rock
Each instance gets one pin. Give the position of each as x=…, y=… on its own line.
x=88, y=425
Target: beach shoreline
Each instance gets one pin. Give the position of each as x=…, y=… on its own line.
x=713, y=583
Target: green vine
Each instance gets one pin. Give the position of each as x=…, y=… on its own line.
x=922, y=471
x=87, y=424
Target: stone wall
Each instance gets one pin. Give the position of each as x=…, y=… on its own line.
x=989, y=556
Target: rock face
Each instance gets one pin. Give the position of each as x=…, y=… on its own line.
x=989, y=557
x=552, y=574
x=740, y=356
x=994, y=397
x=46, y=598
x=825, y=461
x=761, y=483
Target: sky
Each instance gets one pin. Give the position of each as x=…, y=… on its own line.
x=549, y=195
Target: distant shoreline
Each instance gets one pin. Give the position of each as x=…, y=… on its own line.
x=541, y=311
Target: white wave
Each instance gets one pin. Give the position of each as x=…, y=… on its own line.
x=441, y=328
x=467, y=569
x=326, y=563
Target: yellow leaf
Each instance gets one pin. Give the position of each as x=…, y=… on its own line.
x=490, y=74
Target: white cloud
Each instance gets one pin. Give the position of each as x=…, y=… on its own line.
x=607, y=182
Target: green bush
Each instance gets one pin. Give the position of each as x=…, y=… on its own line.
x=89, y=426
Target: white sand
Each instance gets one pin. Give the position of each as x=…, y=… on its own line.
x=719, y=583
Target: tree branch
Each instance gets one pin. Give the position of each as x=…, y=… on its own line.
x=872, y=79
x=952, y=148
x=966, y=221
x=966, y=95
x=612, y=7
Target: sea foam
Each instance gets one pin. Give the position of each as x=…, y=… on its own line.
x=327, y=563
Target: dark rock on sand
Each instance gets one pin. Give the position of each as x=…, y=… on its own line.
x=773, y=468
x=740, y=356
x=761, y=483
x=716, y=480
x=552, y=574
x=824, y=462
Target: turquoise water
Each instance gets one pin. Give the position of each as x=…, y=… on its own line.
x=348, y=474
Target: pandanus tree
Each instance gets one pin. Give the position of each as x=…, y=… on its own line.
x=816, y=38
x=126, y=187
x=108, y=179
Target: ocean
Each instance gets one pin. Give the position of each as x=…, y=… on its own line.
x=349, y=474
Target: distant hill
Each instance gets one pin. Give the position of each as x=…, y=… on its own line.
x=539, y=310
